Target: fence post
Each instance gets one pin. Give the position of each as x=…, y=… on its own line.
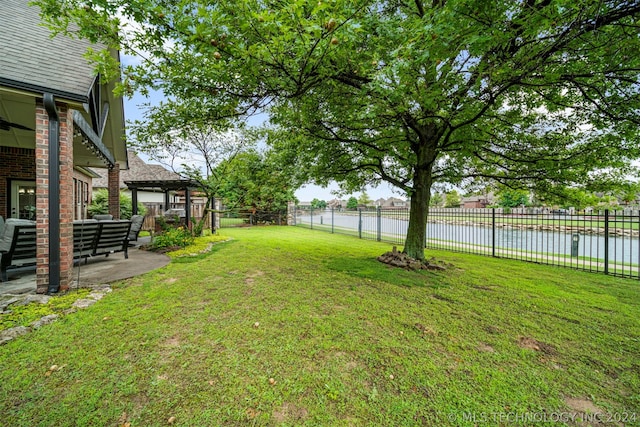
x=311, y=211
x=213, y=215
x=493, y=232
x=426, y=226
x=360, y=223
x=379, y=223
x=606, y=241
x=332, y=220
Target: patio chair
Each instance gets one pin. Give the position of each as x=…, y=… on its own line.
x=136, y=226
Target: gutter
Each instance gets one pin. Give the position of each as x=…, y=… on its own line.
x=54, y=193
x=37, y=89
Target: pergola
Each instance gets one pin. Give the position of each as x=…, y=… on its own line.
x=166, y=186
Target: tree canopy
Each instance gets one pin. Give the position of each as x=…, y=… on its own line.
x=508, y=198
x=534, y=94
x=452, y=199
x=256, y=180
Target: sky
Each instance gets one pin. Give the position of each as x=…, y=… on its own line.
x=134, y=111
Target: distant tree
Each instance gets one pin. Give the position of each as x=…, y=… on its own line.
x=436, y=200
x=352, y=203
x=570, y=197
x=318, y=204
x=364, y=199
x=452, y=199
x=509, y=198
x=629, y=193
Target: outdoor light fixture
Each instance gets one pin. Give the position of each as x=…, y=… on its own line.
x=575, y=239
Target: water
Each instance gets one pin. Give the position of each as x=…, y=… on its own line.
x=622, y=249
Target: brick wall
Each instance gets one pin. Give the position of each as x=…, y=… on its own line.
x=15, y=164
x=42, y=199
x=114, y=191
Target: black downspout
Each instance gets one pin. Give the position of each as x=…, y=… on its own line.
x=54, y=193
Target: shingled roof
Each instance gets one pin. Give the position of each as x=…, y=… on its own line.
x=31, y=60
x=138, y=171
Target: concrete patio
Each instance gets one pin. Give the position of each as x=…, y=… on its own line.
x=98, y=270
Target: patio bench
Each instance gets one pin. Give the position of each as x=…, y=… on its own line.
x=113, y=236
x=17, y=245
x=84, y=238
x=92, y=238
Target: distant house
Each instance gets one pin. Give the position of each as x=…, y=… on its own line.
x=481, y=201
x=57, y=119
x=393, y=202
x=336, y=204
x=139, y=171
x=380, y=202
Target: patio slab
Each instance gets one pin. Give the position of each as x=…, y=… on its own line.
x=98, y=270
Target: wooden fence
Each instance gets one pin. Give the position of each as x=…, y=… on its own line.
x=156, y=209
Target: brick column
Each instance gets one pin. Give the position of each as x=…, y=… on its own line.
x=42, y=196
x=114, y=191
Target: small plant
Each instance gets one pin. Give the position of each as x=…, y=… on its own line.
x=172, y=238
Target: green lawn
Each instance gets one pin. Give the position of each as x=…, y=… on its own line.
x=346, y=340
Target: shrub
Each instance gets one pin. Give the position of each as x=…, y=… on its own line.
x=100, y=204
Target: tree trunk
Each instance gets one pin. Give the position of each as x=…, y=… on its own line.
x=416, y=232
x=200, y=225
x=426, y=154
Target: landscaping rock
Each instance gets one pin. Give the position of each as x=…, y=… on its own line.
x=11, y=333
x=44, y=321
x=96, y=295
x=8, y=334
x=42, y=299
x=6, y=303
x=84, y=303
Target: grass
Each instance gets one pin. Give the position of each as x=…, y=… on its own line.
x=346, y=340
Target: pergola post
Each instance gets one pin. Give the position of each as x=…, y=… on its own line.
x=166, y=200
x=134, y=201
x=187, y=207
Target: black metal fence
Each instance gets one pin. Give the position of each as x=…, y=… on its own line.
x=597, y=241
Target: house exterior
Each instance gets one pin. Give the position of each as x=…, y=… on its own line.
x=395, y=203
x=481, y=201
x=138, y=170
x=336, y=204
x=57, y=120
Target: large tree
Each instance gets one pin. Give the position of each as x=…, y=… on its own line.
x=529, y=93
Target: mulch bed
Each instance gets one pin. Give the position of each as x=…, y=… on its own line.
x=402, y=260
